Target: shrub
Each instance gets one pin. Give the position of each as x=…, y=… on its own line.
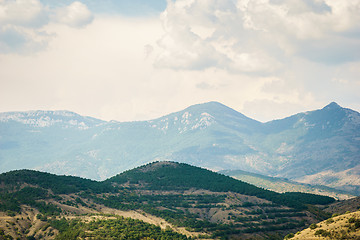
x=322, y=232
x=313, y=226
x=290, y=235
x=330, y=220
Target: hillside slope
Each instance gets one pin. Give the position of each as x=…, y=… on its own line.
x=285, y=185
x=345, y=226
x=184, y=198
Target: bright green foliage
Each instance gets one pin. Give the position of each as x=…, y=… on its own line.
x=313, y=226
x=290, y=235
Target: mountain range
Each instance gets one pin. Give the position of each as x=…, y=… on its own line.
x=319, y=147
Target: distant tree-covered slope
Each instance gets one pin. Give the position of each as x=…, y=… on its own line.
x=285, y=185
x=57, y=184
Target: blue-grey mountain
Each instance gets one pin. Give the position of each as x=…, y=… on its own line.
x=318, y=147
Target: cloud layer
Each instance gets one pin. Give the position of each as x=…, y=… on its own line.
x=22, y=22
x=265, y=58
x=259, y=35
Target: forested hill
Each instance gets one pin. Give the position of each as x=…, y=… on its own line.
x=57, y=184
x=181, y=176
x=183, y=196
x=163, y=176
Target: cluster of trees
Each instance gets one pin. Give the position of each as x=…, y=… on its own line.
x=4, y=236
x=309, y=198
x=118, y=228
x=31, y=196
x=57, y=184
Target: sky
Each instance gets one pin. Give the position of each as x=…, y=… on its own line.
x=141, y=59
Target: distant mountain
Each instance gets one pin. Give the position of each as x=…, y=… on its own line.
x=319, y=147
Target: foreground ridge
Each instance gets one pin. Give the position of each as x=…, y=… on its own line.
x=183, y=200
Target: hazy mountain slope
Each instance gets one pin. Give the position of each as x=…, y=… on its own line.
x=285, y=185
x=321, y=147
x=318, y=147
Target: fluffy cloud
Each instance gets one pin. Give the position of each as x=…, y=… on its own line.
x=28, y=13
x=75, y=15
x=22, y=23
x=258, y=36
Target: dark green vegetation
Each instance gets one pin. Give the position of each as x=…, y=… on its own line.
x=57, y=184
x=32, y=187
x=185, y=196
x=111, y=228
x=184, y=177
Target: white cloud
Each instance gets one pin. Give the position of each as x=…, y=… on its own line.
x=22, y=23
x=258, y=35
x=28, y=13
x=75, y=15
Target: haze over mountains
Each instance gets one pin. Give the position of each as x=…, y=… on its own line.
x=319, y=147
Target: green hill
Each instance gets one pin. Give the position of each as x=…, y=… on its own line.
x=187, y=199
x=181, y=176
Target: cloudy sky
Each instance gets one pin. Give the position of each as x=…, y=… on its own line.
x=140, y=59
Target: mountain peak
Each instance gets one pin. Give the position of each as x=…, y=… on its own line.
x=332, y=105
x=208, y=105
x=217, y=110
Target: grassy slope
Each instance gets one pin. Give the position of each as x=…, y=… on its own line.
x=345, y=226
